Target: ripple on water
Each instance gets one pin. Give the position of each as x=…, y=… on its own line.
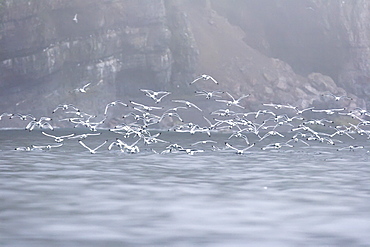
x=295, y=197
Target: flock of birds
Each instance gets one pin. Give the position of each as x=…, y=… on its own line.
x=274, y=126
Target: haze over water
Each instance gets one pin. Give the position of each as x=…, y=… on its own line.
x=301, y=196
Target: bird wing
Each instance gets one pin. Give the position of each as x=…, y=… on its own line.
x=230, y=96
x=100, y=145
x=85, y=86
x=106, y=108
x=84, y=145
x=46, y=134
x=193, y=105
x=210, y=77
x=250, y=146
x=229, y=146
x=138, y=104
x=197, y=79
x=66, y=136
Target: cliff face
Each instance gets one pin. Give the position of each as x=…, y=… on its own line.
x=278, y=51
x=51, y=47
x=325, y=36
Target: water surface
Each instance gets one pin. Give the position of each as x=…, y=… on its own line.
x=301, y=196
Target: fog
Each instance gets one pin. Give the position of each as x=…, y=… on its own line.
x=277, y=51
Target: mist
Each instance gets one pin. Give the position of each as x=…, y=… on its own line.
x=288, y=52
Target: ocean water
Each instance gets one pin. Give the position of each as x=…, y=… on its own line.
x=301, y=196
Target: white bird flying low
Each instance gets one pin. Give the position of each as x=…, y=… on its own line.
x=58, y=138
x=92, y=151
x=114, y=103
x=239, y=151
x=187, y=103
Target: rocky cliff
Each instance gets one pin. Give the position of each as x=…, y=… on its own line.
x=278, y=51
x=49, y=48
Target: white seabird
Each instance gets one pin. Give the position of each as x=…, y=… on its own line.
x=92, y=151
x=205, y=78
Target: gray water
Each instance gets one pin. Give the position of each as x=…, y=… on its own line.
x=301, y=196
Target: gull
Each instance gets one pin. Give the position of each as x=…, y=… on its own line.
x=233, y=101
x=191, y=151
x=304, y=135
x=296, y=140
x=223, y=112
x=83, y=89
x=92, y=151
x=254, y=129
x=205, y=78
x=41, y=123
x=263, y=112
x=211, y=126
x=81, y=114
x=172, y=147
x=136, y=117
x=350, y=148
x=145, y=107
x=124, y=146
x=28, y=148
x=276, y=145
x=75, y=120
x=153, y=139
x=23, y=116
x=75, y=18
x=280, y=123
x=91, y=125
x=187, y=103
x=279, y=106
x=83, y=136
x=329, y=111
x=318, y=122
x=271, y=133
x=6, y=114
x=239, y=151
x=171, y=114
x=175, y=109
x=208, y=94
x=323, y=139
x=337, y=98
x=157, y=100
x=290, y=119
x=358, y=129
x=57, y=138
x=361, y=111
x=299, y=112
x=154, y=95
x=113, y=103
x=230, y=122
x=48, y=147
x=239, y=134
x=342, y=132
x=353, y=115
x=203, y=142
x=65, y=107
x=151, y=93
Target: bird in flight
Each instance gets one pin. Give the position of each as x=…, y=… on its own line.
x=92, y=151
x=205, y=78
x=83, y=89
x=75, y=18
x=337, y=98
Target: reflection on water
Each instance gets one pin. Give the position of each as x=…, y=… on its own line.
x=308, y=196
